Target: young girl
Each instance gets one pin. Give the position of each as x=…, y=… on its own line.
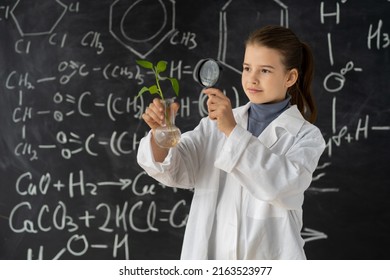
x=249, y=166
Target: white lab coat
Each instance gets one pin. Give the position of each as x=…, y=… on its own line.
x=248, y=191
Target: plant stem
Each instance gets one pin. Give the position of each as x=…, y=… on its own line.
x=158, y=83
x=167, y=110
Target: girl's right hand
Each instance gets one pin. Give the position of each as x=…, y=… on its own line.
x=154, y=113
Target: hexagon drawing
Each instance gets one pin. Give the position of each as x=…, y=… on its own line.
x=142, y=25
x=33, y=19
x=257, y=13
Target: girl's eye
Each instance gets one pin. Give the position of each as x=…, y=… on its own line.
x=246, y=68
x=265, y=71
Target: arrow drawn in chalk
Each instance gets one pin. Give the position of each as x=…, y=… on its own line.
x=311, y=235
x=123, y=183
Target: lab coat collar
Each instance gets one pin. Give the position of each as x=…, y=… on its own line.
x=291, y=121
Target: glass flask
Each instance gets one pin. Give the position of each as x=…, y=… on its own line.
x=168, y=135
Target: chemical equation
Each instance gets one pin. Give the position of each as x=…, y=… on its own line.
x=27, y=185
x=108, y=219
x=58, y=218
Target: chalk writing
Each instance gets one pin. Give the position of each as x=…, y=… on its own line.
x=381, y=39
x=335, y=81
x=71, y=124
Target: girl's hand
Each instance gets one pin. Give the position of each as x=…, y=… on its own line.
x=154, y=113
x=220, y=109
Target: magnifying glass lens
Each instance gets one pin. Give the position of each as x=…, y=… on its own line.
x=209, y=73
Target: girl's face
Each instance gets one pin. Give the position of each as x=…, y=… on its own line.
x=264, y=77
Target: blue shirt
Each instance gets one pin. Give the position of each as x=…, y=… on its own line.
x=261, y=115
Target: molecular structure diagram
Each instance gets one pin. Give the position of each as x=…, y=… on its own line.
x=24, y=14
x=159, y=23
x=273, y=8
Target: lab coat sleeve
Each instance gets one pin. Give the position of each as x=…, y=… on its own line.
x=272, y=174
x=180, y=167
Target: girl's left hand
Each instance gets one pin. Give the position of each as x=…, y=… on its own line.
x=220, y=109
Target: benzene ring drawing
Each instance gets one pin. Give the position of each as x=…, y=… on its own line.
x=142, y=25
x=256, y=14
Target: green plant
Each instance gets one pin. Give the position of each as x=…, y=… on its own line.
x=160, y=67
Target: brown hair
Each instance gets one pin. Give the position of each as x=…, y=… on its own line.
x=296, y=54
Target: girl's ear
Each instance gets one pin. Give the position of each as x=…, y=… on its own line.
x=292, y=77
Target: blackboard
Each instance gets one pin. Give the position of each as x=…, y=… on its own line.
x=70, y=125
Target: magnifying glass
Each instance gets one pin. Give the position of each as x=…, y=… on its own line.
x=208, y=72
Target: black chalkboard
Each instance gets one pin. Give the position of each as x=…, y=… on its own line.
x=70, y=187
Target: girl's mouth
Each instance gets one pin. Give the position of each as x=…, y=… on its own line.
x=254, y=90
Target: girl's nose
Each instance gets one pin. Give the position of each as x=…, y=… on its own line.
x=253, y=79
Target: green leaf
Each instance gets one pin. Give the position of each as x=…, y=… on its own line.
x=145, y=64
x=142, y=90
x=154, y=89
x=175, y=85
x=161, y=66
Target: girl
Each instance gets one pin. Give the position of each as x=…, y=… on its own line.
x=249, y=166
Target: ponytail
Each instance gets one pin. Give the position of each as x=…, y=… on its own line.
x=301, y=91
